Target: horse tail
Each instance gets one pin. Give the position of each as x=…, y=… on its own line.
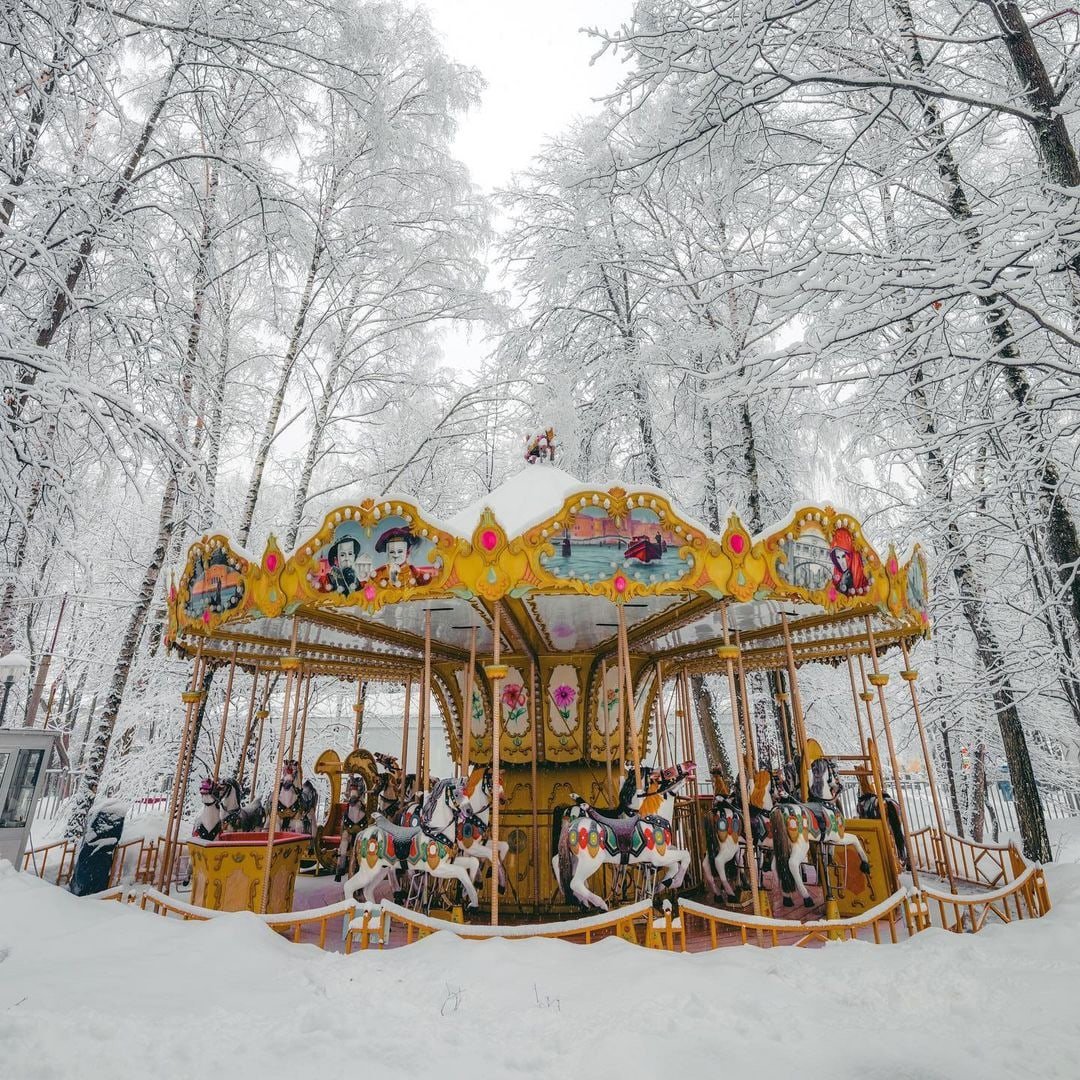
x=897, y=827
x=782, y=850
x=558, y=814
x=566, y=865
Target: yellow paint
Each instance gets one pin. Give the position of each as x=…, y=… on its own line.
x=229, y=878
x=275, y=585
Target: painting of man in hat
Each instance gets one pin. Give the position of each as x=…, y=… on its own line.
x=347, y=569
x=396, y=544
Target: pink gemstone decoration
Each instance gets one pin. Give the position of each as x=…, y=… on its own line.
x=892, y=566
x=369, y=592
x=620, y=583
x=489, y=538
x=206, y=616
x=271, y=562
x=832, y=592
x=737, y=543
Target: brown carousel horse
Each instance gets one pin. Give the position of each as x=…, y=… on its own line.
x=724, y=833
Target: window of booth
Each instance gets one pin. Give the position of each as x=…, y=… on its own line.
x=20, y=794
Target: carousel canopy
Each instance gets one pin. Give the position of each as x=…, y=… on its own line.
x=560, y=559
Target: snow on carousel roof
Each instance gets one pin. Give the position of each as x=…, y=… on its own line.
x=524, y=499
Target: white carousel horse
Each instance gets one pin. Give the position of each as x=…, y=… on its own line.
x=209, y=823
x=724, y=833
x=236, y=815
x=796, y=824
x=429, y=847
x=590, y=840
x=474, y=828
x=653, y=804
x=353, y=818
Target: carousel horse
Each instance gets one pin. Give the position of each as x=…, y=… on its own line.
x=296, y=805
x=724, y=831
x=795, y=825
x=388, y=786
x=211, y=820
x=428, y=847
x=474, y=832
x=657, y=796
x=353, y=818
x=658, y=790
x=867, y=807
x=590, y=840
x=237, y=816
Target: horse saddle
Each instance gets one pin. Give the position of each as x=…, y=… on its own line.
x=624, y=829
x=402, y=835
x=822, y=813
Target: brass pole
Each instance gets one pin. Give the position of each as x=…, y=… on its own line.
x=496, y=671
x=426, y=700
x=535, y=782
x=289, y=664
x=298, y=687
x=688, y=736
x=855, y=699
x=602, y=710
x=866, y=697
x=191, y=698
x=631, y=712
x=751, y=746
x=729, y=654
x=264, y=712
x=909, y=675
x=187, y=761
x=880, y=681
x=405, y=734
x=467, y=708
x=308, y=679
x=797, y=709
x=238, y=772
x=358, y=711
x=781, y=707
x=870, y=750
x=660, y=720
x=225, y=714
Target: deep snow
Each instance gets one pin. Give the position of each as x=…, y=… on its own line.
x=94, y=989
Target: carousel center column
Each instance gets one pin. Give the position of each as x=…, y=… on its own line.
x=496, y=672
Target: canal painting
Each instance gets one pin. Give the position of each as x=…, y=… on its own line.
x=595, y=547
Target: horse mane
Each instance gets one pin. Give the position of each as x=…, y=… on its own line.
x=650, y=805
x=761, y=782
x=475, y=777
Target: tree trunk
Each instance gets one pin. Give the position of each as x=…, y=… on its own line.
x=99, y=746
x=709, y=725
x=1062, y=537
x=292, y=352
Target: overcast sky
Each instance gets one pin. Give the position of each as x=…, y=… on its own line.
x=536, y=63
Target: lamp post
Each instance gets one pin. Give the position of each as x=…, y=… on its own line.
x=11, y=665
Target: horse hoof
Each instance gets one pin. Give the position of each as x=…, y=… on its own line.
x=788, y=902
x=502, y=890
x=864, y=867
x=808, y=901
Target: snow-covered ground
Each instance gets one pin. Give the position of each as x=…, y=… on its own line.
x=93, y=989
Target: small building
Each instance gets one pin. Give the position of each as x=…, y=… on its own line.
x=24, y=758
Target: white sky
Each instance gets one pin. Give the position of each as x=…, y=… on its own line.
x=536, y=63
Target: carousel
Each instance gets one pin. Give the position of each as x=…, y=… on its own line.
x=555, y=637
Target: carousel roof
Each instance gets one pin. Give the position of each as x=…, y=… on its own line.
x=560, y=559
